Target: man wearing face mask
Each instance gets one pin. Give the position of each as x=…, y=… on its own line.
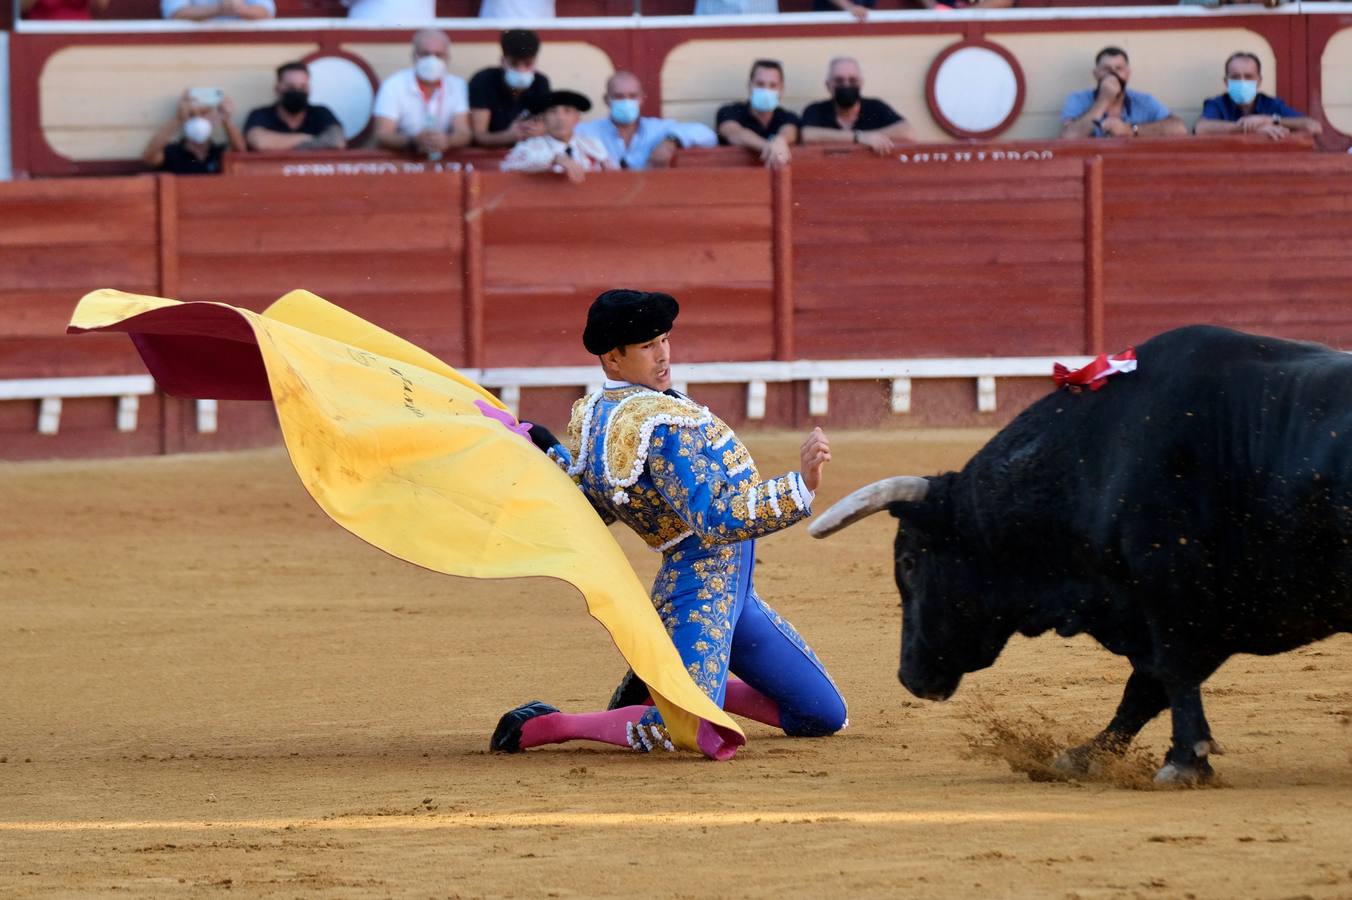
x=293, y=123
x=760, y=123
x=560, y=149
x=851, y=118
x=1113, y=110
x=500, y=96
x=641, y=142
x=423, y=109
x=194, y=153
x=1243, y=109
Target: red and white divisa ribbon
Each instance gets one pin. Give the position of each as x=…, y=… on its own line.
x=1095, y=375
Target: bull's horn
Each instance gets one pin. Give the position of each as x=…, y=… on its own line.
x=868, y=500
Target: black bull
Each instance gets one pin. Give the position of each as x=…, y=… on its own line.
x=1196, y=508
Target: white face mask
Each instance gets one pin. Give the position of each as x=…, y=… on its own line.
x=429, y=68
x=518, y=80
x=198, y=129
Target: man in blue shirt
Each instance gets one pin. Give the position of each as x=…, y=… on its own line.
x=641, y=142
x=1113, y=110
x=1242, y=109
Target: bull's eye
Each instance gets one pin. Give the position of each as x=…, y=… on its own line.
x=908, y=563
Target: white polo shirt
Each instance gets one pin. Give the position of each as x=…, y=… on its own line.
x=400, y=99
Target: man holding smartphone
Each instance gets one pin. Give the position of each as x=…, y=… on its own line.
x=1113, y=110
x=184, y=146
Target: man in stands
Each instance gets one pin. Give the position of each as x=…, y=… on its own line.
x=217, y=10
x=404, y=13
x=424, y=109
x=760, y=123
x=1113, y=110
x=641, y=142
x=851, y=118
x=499, y=96
x=560, y=149
x=1243, y=109
x=193, y=153
x=293, y=123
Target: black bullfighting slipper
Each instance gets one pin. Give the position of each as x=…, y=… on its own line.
x=507, y=736
x=631, y=692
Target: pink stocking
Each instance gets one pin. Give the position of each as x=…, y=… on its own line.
x=743, y=700
x=609, y=727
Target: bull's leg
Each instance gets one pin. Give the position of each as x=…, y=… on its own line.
x=1186, y=762
x=1143, y=698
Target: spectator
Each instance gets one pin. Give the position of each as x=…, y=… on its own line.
x=760, y=123
x=293, y=123
x=217, y=10
x=61, y=10
x=640, y=142
x=736, y=7
x=193, y=153
x=849, y=117
x=1112, y=109
x=858, y=10
x=560, y=149
x=423, y=109
x=500, y=96
x=405, y=13
x=516, y=9
x=1241, y=108
x=966, y=4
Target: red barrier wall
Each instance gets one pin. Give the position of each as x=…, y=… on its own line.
x=845, y=256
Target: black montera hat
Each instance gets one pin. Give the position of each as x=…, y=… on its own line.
x=622, y=317
x=559, y=98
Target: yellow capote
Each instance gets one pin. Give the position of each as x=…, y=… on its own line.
x=388, y=440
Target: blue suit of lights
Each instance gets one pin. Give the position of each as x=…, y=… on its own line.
x=678, y=476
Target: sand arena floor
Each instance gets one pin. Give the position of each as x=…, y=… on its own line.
x=207, y=686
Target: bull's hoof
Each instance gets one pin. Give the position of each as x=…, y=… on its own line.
x=1185, y=774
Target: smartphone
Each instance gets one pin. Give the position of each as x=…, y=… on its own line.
x=206, y=96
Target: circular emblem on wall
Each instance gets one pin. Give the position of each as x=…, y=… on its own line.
x=346, y=85
x=974, y=89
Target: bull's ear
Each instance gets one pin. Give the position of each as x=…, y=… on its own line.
x=868, y=500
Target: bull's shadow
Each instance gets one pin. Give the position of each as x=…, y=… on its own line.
x=1197, y=507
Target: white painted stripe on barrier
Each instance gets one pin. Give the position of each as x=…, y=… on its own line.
x=6, y=134
x=128, y=405
x=207, y=416
x=511, y=398
x=817, y=396
x=755, y=399
x=901, y=395
x=49, y=415
x=87, y=386
x=985, y=394
x=510, y=381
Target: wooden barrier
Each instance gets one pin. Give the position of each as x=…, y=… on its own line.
x=550, y=248
x=1255, y=243
x=842, y=257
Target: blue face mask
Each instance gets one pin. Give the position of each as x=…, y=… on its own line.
x=1242, y=92
x=624, y=112
x=764, y=99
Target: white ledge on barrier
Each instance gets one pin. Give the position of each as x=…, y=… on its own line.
x=50, y=392
x=818, y=373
